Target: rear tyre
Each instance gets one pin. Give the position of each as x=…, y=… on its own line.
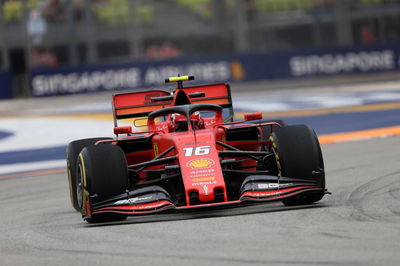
x=73, y=150
x=102, y=173
x=298, y=155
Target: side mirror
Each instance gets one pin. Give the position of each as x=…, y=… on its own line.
x=122, y=130
x=253, y=116
x=140, y=122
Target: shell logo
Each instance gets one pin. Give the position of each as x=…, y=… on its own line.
x=200, y=163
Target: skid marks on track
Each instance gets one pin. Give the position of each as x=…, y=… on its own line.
x=377, y=200
x=394, y=204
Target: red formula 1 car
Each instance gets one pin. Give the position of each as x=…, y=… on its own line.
x=191, y=156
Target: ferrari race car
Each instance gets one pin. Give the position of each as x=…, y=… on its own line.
x=186, y=152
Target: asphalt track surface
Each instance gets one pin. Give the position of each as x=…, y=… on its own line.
x=359, y=224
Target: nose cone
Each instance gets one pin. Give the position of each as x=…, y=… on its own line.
x=200, y=168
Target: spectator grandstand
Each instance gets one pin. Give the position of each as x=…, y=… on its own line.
x=104, y=31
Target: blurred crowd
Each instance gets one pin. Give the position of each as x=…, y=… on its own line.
x=116, y=12
x=13, y=10
x=112, y=12
x=204, y=8
x=41, y=56
x=163, y=51
x=43, y=14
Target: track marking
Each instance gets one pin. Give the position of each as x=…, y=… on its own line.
x=325, y=111
x=31, y=167
x=360, y=135
x=288, y=113
x=33, y=170
x=324, y=139
x=96, y=116
x=34, y=173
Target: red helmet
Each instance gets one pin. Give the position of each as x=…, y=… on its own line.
x=178, y=122
x=197, y=121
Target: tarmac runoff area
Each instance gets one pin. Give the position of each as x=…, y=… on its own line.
x=34, y=132
x=359, y=224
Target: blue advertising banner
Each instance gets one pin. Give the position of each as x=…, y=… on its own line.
x=5, y=85
x=58, y=81
x=244, y=67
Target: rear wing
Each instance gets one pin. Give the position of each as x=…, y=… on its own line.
x=219, y=94
x=140, y=104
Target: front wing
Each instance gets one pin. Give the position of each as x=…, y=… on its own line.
x=157, y=202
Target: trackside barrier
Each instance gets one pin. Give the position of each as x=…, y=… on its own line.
x=5, y=85
x=244, y=67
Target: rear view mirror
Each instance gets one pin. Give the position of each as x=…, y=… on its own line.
x=140, y=122
x=253, y=116
x=122, y=130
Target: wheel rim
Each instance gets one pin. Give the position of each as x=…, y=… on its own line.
x=79, y=186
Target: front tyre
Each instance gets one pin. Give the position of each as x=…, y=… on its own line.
x=298, y=155
x=73, y=150
x=103, y=172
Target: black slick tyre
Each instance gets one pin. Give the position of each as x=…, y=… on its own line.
x=103, y=173
x=73, y=150
x=298, y=155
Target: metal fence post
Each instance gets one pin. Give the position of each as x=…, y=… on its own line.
x=4, y=64
x=241, y=29
x=343, y=24
x=23, y=83
x=91, y=43
x=135, y=31
x=72, y=49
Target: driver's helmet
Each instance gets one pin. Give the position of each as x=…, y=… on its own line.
x=178, y=123
x=197, y=121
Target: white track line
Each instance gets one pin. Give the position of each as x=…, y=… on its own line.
x=27, y=167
